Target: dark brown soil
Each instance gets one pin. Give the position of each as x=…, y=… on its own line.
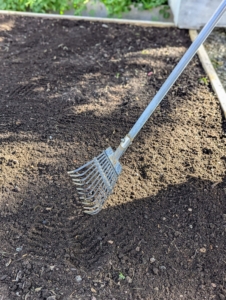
x=68, y=90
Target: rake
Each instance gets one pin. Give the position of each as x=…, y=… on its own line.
x=95, y=180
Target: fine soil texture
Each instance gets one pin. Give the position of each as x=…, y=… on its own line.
x=69, y=90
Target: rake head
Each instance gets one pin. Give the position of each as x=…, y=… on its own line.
x=95, y=180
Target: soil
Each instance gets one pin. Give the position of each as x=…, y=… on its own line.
x=70, y=89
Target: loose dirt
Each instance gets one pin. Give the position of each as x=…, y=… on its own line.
x=70, y=89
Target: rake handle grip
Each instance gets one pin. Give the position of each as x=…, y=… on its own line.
x=171, y=79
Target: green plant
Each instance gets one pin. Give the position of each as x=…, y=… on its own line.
x=114, y=7
x=121, y=276
x=117, y=7
x=204, y=80
x=79, y=6
x=149, y=4
x=42, y=6
x=16, y=5
x=165, y=11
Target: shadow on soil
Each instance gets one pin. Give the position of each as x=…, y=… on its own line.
x=182, y=228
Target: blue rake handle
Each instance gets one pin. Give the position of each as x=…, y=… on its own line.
x=170, y=81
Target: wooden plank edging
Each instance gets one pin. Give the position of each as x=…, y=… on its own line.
x=91, y=19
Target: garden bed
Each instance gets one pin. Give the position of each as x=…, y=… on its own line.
x=68, y=90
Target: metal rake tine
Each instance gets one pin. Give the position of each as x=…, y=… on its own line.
x=77, y=183
x=97, y=189
x=93, y=166
x=101, y=155
x=76, y=170
x=89, y=174
x=84, y=179
x=91, y=181
x=111, y=172
x=81, y=193
x=81, y=174
x=92, y=212
x=107, y=168
x=94, y=175
x=94, y=184
x=100, y=159
x=80, y=189
x=98, y=205
x=102, y=191
x=92, y=197
x=92, y=205
x=92, y=162
x=91, y=202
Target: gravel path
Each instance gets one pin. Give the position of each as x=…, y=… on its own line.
x=216, y=48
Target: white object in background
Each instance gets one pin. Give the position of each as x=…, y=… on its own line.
x=193, y=14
